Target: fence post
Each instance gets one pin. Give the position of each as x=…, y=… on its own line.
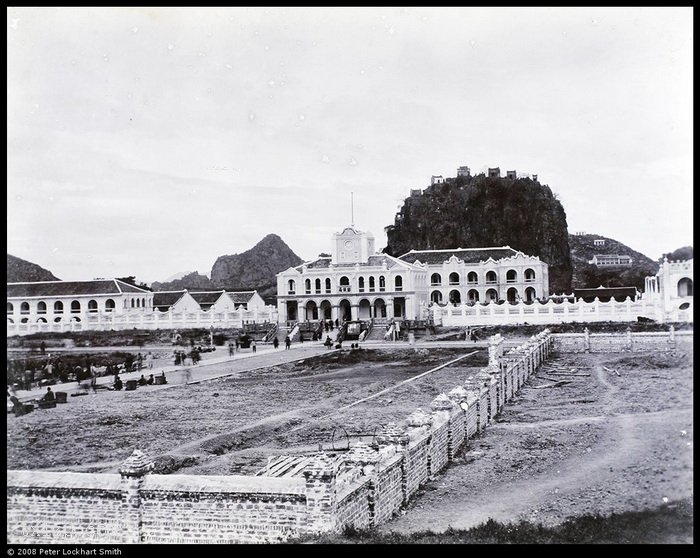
x=132, y=472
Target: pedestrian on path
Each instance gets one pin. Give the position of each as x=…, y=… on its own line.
x=187, y=375
x=275, y=342
x=255, y=347
x=287, y=342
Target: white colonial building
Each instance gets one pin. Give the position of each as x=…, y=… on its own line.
x=355, y=283
x=482, y=274
x=111, y=304
x=672, y=290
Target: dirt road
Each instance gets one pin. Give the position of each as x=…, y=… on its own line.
x=601, y=444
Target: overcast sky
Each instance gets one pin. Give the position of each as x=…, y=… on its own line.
x=150, y=141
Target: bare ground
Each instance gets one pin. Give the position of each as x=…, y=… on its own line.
x=601, y=444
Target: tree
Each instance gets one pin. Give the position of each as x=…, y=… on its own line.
x=131, y=280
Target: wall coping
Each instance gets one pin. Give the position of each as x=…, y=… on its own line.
x=62, y=479
x=227, y=484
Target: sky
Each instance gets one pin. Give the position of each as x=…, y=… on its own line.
x=150, y=141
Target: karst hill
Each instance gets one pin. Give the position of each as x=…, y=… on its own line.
x=478, y=211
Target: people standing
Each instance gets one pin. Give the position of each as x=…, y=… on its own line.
x=230, y=349
x=255, y=347
x=287, y=342
x=275, y=342
x=149, y=360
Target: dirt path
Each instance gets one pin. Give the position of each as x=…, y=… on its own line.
x=622, y=449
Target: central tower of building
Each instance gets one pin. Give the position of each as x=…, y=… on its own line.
x=352, y=246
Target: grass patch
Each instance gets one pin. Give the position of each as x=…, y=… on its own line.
x=670, y=523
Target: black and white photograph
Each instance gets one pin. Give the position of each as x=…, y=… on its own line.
x=348, y=275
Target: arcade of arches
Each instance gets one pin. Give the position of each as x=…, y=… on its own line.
x=350, y=308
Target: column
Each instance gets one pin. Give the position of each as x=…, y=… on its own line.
x=132, y=472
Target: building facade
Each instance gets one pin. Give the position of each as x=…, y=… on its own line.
x=602, y=260
x=672, y=288
x=354, y=283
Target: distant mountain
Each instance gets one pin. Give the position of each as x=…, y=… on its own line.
x=583, y=248
x=176, y=276
x=255, y=268
x=19, y=270
x=192, y=281
x=680, y=254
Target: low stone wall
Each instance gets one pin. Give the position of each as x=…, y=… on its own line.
x=586, y=342
x=364, y=488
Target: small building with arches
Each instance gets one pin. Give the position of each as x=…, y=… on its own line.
x=61, y=302
x=672, y=289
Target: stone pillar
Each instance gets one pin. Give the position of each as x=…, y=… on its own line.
x=132, y=474
x=419, y=424
x=672, y=334
x=354, y=311
x=393, y=438
x=363, y=456
x=321, y=503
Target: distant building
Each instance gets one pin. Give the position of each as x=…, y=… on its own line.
x=496, y=172
x=416, y=192
x=436, y=179
x=511, y=174
x=463, y=171
x=605, y=294
x=599, y=242
x=603, y=260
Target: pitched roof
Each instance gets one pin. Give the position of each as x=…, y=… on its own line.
x=241, y=296
x=70, y=288
x=467, y=255
x=207, y=297
x=166, y=298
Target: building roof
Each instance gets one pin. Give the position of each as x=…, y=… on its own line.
x=241, y=296
x=467, y=255
x=70, y=288
x=166, y=298
x=207, y=297
x=375, y=260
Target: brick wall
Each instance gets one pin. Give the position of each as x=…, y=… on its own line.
x=483, y=408
x=471, y=420
x=415, y=465
x=353, y=504
x=48, y=507
x=438, y=444
x=388, y=491
x=186, y=509
x=458, y=430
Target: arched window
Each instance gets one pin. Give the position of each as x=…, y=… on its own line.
x=492, y=295
x=472, y=278
x=454, y=278
x=24, y=320
x=529, y=275
x=511, y=276
x=75, y=306
x=382, y=283
x=10, y=308
x=371, y=284
x=344, y=285
x=307, y=286
x=318, y=286
x=92, y=306
x=109, y=305
x=512, y=295
x=143, y=303
x=24, y=308
x=455, y=297
x=58, y=307
x=291, y=287
x=133, y=303
x=530, y=295
x=473, y=295
x=328, y=286
x=361, y=284
x=436, y=297
x=685, y=287
x=435, y=280
x=398, y=283
x=57, y=320
x=41, y=321
x=491, y=277
x=41, y=307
